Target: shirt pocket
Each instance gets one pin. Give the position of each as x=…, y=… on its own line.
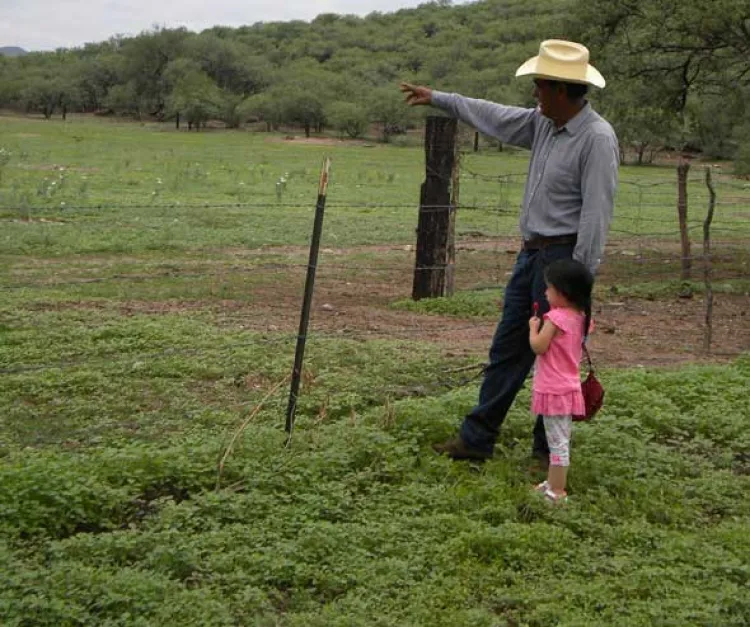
x=563, y=173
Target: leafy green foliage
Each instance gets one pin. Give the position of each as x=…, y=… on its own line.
x=462, y=304
x=358, y=519
x=297, y=62
x=130, y=354
x=686, y=61
x=349, y=118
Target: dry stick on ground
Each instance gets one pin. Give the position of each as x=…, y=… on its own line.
x=243, y=426
x=707, y=262
x=482, y=365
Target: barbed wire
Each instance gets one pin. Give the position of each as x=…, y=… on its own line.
x=495, y=209
x=466, y=242
x=648, y=267
x=695, y=176
x=324, y=267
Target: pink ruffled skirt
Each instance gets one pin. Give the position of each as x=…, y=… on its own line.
x=567, y=404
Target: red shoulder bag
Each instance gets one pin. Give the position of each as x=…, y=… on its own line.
x=593, y=392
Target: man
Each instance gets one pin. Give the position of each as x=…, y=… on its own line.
x=566, y=212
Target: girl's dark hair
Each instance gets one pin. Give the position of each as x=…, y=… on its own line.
x=574, y=281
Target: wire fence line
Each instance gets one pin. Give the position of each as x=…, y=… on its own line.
x=359, y=329
x=654, y=254
x=15, y=212
x=729, y=255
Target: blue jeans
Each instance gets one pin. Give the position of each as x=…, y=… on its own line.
x=511, y=357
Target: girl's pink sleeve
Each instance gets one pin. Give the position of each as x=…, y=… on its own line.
x=558, y=318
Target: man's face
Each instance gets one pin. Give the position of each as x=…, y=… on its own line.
x=548, y=96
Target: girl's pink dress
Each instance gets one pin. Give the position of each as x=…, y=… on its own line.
x=557, y=379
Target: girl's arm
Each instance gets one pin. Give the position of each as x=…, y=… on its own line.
x=540, y=340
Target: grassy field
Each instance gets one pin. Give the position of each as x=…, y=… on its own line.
x=149, y=303
x=125, y=188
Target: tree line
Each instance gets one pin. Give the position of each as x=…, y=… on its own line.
x=678, y=73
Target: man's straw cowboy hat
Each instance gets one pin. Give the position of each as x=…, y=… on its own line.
x=564, y=61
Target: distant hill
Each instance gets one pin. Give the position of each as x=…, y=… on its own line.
x=12, y=51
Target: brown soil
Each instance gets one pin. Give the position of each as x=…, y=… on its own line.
x=629, y=332
x=355, y=303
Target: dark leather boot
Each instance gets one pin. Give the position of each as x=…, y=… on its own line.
x=456, y=448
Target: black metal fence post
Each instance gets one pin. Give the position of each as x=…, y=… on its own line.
x=309, y=285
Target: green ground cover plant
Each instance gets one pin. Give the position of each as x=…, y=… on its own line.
x=132, y=347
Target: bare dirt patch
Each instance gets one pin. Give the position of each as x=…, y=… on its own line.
x=353, y=301
x=630, y=332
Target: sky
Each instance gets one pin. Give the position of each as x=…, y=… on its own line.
x=50, y=24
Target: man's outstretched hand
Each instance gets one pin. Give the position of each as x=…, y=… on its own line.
x=417, y=95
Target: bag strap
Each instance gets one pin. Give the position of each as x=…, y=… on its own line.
x=588, y=358
x=586, y=350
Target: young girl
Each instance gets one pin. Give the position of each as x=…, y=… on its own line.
x=558, y=345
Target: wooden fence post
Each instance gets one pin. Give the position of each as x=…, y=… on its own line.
x=707, y=262
x=435, y=258
x=682, y=211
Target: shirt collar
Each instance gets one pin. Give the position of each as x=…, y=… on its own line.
x=576, y=122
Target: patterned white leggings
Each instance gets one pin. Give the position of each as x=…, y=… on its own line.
x=557, y=429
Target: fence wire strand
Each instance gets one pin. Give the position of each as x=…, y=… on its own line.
x=649, y=249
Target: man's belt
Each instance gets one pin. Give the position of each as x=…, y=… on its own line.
x=537, y=243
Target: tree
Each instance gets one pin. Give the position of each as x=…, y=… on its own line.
x=348, y=118
x=145, y=59
x=302, y=95
x=332, y=59
x=265, y=107
x=676, y=47
x=96, y=76
x=638, y=124
x=304, y=108
x=124, y=99
x=193, y=95
x=742, y=156
x=388, y=110
x=713, y=122
x=41, y=94
x=231, y=110
x=232, y=66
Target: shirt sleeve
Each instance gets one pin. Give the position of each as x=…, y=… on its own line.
x=511, y=125
x=598, y=184
x=559, y=319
